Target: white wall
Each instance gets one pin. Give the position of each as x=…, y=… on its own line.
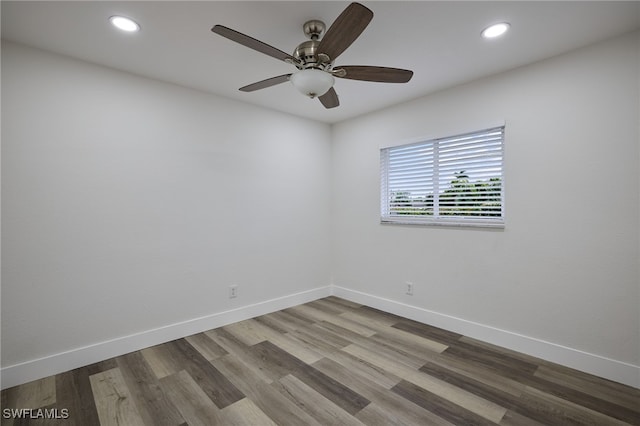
x=565, y=268
x=131, y=204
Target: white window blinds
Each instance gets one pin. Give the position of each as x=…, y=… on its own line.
x=456, y=180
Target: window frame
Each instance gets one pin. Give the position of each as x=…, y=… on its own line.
x=434, y=171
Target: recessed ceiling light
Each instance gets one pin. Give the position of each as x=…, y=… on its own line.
x=495, y=30
x=125, y=24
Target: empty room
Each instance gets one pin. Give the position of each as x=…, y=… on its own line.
x=320, y=213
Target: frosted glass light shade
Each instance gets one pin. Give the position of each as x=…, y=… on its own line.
x=312, y=82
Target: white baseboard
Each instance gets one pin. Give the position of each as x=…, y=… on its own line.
x=17, y=374
x=607, y=368
x=611, y=369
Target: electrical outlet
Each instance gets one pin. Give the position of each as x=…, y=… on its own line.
x=233, y=291
x=409, y=288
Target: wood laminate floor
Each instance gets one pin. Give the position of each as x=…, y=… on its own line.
x=328, y=362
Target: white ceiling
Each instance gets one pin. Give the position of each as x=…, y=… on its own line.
x=439, y=41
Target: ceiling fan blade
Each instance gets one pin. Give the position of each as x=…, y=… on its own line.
x=265, y=83
x=378, y=74
x=345, y=30
x=252, y=43
x=330, y=99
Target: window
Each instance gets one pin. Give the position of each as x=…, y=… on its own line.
x=456, y=180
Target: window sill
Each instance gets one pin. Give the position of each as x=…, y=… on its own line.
x=468, y=223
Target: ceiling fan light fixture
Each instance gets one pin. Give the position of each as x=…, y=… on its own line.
x=125, y=24
x=311, y=82
x=495, y=30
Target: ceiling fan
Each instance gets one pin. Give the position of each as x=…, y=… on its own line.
x=314, y=58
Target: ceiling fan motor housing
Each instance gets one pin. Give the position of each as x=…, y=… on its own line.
x=306, y=52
